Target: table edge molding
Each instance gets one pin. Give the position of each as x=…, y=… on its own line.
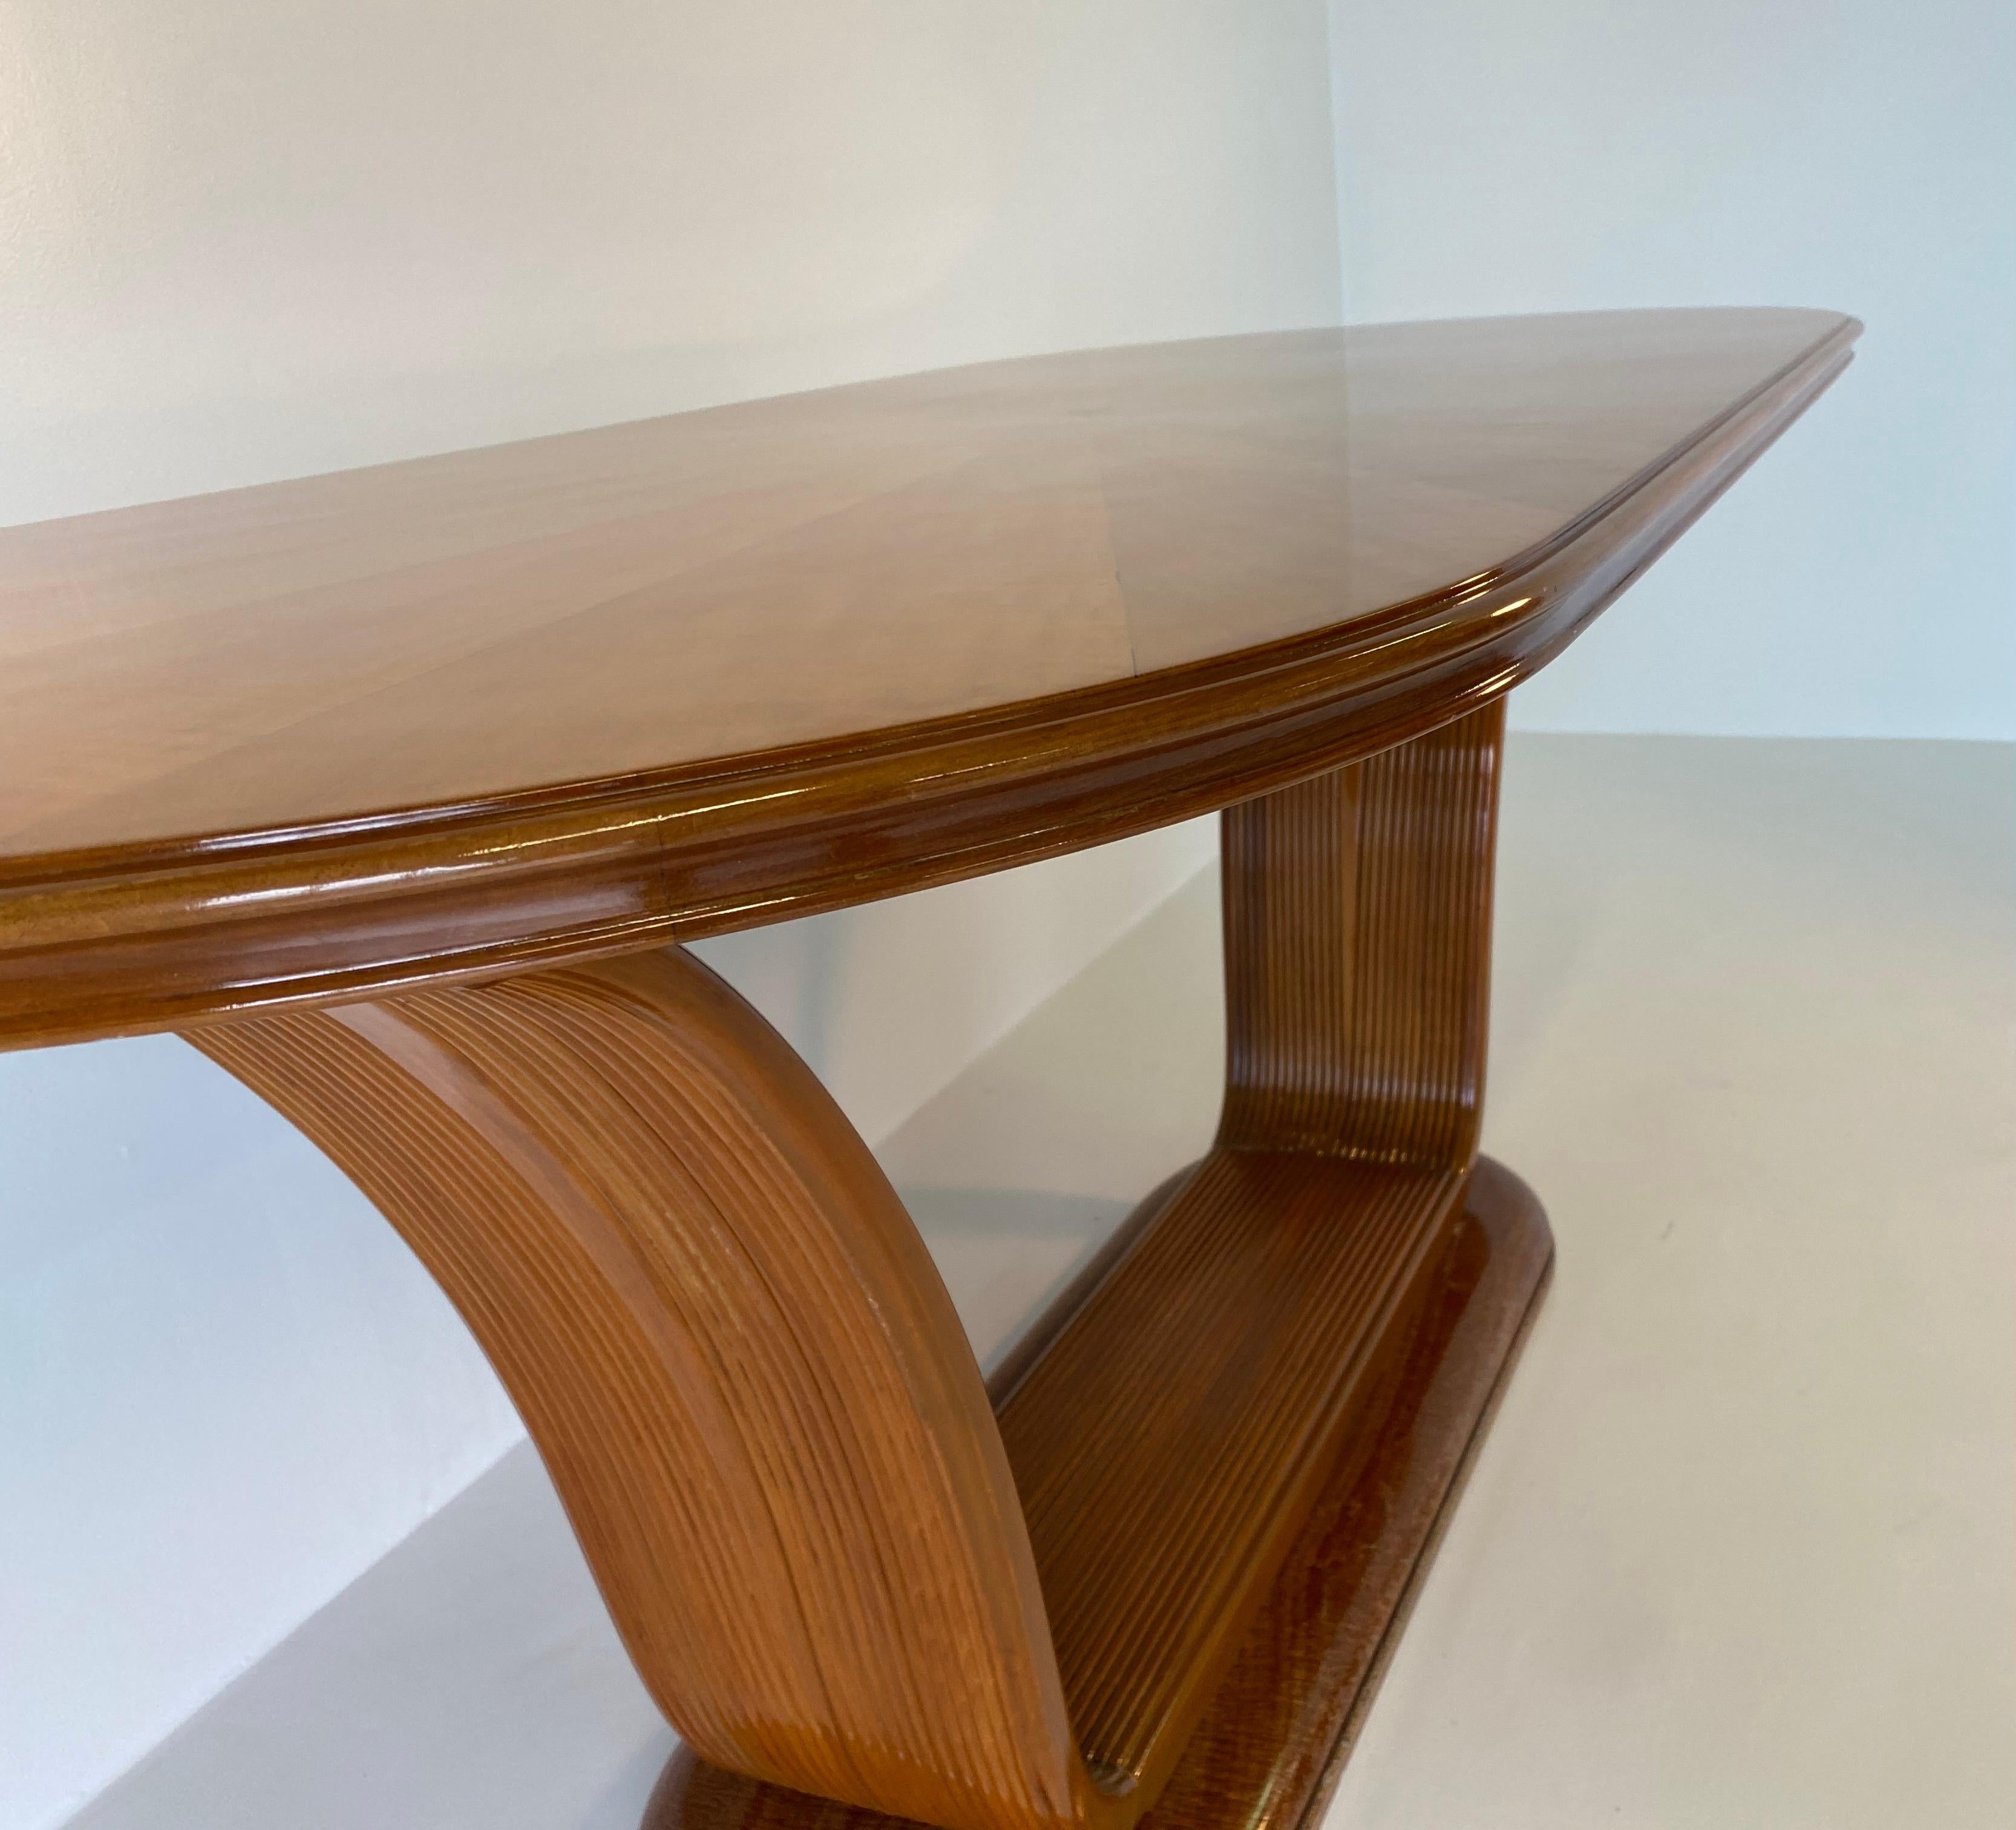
x=133, y=940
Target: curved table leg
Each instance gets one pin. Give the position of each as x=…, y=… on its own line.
x=741, y=1368
x=1152, y=1578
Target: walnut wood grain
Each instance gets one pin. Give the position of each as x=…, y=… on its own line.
x=569, y=699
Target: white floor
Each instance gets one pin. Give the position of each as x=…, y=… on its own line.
x=1738, y=1550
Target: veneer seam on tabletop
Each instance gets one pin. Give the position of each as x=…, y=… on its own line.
x=504, y=883
x=737, y=769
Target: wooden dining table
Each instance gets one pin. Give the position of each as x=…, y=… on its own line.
x=397, y=792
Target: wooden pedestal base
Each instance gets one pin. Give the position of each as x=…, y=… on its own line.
x=1273, y=1739
x=1147, y=1569
x=397, y=791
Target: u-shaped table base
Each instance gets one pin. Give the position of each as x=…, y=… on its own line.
x=1154, y=1569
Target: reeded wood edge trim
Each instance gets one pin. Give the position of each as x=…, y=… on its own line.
x=1030, y=1346
x=104, y=943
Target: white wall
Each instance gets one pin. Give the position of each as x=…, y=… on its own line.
x=1543, y=155
x=239, y=241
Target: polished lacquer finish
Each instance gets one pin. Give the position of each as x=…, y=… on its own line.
x=389, y=788
x=575, y=696
x=834, y=1571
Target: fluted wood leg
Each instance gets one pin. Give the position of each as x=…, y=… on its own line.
x=1154, y=1570
x=734, y=1354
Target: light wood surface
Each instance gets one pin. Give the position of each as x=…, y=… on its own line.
x=575, y=697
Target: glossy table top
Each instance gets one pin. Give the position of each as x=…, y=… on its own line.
x=740, y=579
x=920, y=588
